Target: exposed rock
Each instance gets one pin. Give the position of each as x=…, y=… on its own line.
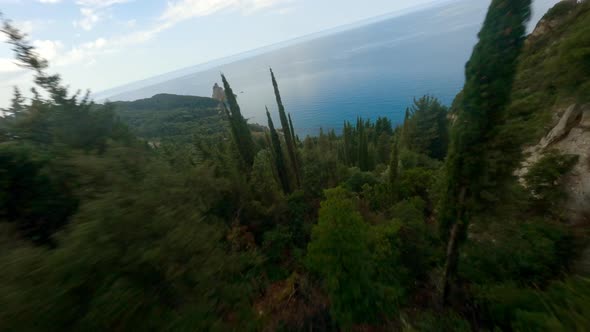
x=585, y=121
x=548, y=23
x=569, y=120
x=218, y=93
x=570, y=135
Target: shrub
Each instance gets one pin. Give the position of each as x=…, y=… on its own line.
x=526, y=252
x=358, y=179
x=545, y=179
x=563, y=306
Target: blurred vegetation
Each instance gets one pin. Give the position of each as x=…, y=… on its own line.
x=173, y=213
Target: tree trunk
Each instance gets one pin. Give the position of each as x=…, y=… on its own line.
x=452, y=259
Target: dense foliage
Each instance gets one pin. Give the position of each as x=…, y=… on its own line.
x=173, y=213
x=470, y=166
x=166, y=118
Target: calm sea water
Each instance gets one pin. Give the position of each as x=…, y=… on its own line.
x=375, y=70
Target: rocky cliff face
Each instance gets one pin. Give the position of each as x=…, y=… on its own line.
x=569, y=135
x=552, y=97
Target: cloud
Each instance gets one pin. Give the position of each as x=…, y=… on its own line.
x=49, y=1
x=85, y=52
x=141, y=36
x=131, y=23
x=99, y=3
x=97, y=44
x=285, y=10
x=56, y=53
x=93, y=11
x=25, y=26
x=185, y=9
x=9, y=66
x=89, y=18
x=181, y=10
x=48, y=49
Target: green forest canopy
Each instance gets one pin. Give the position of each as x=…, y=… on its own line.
x=174, y=213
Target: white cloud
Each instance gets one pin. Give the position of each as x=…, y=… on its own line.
x=141, y=36
x=85, y=52
x=9, y=66
x=131, y=23
x=185, y=9
x=25, y=26
x=48, y=49
x=93, y=11
x=181, y=10
x=49, y=1
x=89, y=18
x=96, y=45
x=99, y=3
x=285, y=10
x=56, y=53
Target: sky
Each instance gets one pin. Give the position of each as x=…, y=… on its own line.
x=101, y=44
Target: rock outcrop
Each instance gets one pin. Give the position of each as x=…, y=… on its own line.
x=569, y=120
x=551, y=97
x=218, y=93
x=570, y=135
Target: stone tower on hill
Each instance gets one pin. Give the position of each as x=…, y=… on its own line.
x=218, y=93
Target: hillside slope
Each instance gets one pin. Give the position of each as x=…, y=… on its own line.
x=550, y=107
x=172, y=117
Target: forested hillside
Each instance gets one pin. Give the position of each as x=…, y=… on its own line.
x=174, y=213
x=171, y=117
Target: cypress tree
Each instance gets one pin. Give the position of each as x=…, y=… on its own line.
x=406, y=129
x=363, y=146
x=239, y=126
x=289, y=141
x=346, y=133
x=393, y=168
x=269, y=143
x=292, y=130
x=17, y=103
x=427, y=132
x=332, y=138
x=323, y=141
x=489, y=77
x=278, y=155
x=383, y=125
x=268, y=140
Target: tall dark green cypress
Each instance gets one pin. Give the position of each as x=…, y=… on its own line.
x=268, y=141
x=291, y=148
x=393, y=168
x=292, y=130
x=406, y=129
x=17, y=103
x=347, y=138
x=363, y=146
x=489, y=77
x=278, y=155
x=239, y=126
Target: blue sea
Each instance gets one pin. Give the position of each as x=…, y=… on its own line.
x=369, y=71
